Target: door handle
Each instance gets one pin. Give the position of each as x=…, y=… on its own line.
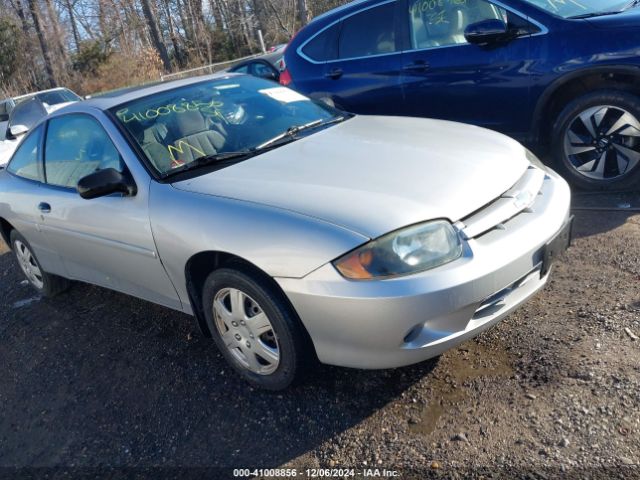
x=335, y=74
x=44, y=207
x=417, y=66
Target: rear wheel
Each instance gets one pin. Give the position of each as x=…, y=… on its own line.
x=596, y=141
x=254, y=328
x=47, y=284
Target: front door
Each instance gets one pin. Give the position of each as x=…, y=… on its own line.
x=445, y=77
x=108, y=240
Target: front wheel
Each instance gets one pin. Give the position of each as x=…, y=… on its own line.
x=254, y=328
x=596, y=141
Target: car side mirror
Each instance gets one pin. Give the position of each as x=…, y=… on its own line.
x=486, y=32
x=271, y=76
x=105, y=182
x=18, y=130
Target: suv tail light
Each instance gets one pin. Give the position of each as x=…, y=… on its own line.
x=285, y=77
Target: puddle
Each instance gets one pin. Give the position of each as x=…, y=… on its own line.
x=467, y=362
x=25, y=302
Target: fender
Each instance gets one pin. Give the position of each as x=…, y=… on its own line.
x=551, y=89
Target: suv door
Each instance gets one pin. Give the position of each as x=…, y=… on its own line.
x=108, y=240
x=363, y=75
x=446, y=77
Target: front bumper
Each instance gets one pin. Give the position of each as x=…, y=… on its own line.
x=396, y=322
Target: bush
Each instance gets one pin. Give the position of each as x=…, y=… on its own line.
x=120, y=70
x=90, y=56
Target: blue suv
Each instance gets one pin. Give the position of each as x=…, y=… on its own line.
x=561, y=75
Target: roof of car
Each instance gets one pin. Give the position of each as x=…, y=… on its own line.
x=117, y=97
x=339, y=9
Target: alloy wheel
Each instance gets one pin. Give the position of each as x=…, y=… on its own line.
x=246, y=331
x=28, y=264
x=603, y=142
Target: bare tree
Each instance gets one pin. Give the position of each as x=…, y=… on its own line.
x=303, y=12
x=54, y=23
x=19, y=9
x=158, y=44
x=74, y=26
x=48, y=65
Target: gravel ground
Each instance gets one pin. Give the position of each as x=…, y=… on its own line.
x=96, y=379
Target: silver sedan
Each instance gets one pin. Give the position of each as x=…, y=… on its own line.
x=291, y=231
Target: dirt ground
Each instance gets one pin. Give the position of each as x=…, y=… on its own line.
x=98, y=380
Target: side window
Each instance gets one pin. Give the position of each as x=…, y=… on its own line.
x=371, y=32
x=324, y=46
x=438, y=23
x=25, y=160
x=76, y=146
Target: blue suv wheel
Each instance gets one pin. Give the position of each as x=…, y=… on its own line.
x=597, y=140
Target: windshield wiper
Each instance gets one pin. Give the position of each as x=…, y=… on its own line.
x=631, y=4
x=284, y=137
x=291, y=132
x=207, y=160
x=593, y=14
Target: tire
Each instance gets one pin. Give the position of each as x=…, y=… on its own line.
x=596, y=141
x=46, y=284
x=248, y=342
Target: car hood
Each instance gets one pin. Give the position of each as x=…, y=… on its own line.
x=374, y=174
x=627, y=19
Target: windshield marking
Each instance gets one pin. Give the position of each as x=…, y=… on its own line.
x=211, y=108
x=179, y=147
x=214, y=122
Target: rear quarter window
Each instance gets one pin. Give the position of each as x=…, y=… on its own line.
x=25, y=162
x=324, y=46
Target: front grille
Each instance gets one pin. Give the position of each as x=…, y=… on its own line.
x=519, y=199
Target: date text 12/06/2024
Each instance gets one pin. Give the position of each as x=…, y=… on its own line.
x=315, y=473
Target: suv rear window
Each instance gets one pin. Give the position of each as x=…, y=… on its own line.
x=324, y=46
x=371, y=32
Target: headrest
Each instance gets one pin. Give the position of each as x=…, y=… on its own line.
x=189, y=123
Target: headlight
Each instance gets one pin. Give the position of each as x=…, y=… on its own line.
x=409, y=250
x=535, y=161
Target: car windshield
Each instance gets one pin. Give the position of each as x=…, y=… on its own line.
x=216, y=118
x=576, y=8
x=55, y=97
x=52, y=97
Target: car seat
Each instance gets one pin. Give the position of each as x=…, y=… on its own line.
x=194, y=137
